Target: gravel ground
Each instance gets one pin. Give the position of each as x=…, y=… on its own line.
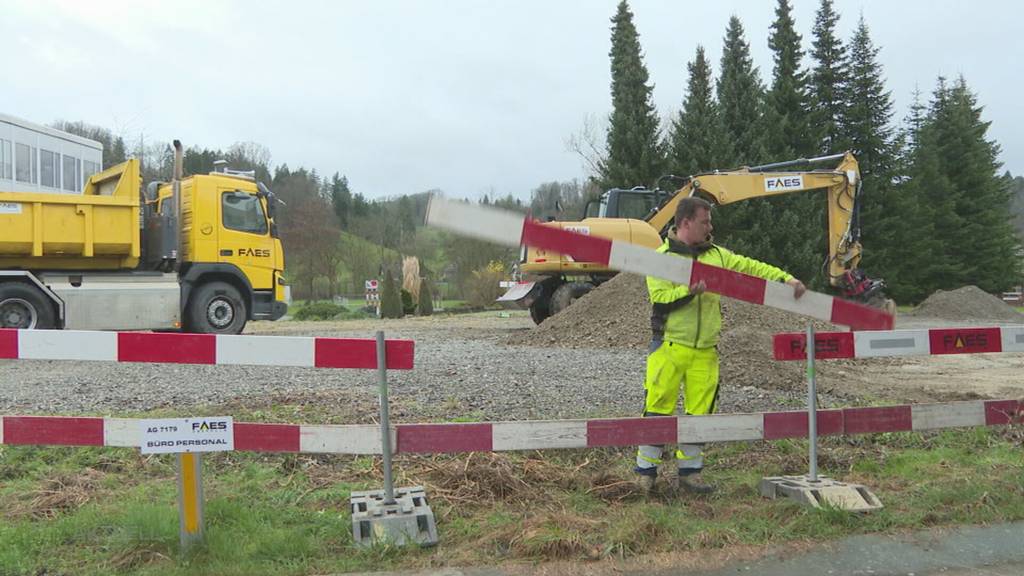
x=464, y=368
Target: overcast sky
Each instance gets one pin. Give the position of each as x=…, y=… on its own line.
x=471, y=97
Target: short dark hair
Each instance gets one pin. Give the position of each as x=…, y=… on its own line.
x=688, y=207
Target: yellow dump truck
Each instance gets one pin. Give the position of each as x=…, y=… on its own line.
x=198, y=253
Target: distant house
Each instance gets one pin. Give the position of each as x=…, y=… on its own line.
x=34, y=158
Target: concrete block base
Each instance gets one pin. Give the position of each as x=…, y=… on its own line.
x=408, y=520
x=823, y=492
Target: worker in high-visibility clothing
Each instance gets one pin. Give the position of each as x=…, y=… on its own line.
x=686, y=321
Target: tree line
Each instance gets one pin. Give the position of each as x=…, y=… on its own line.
x=936, y=211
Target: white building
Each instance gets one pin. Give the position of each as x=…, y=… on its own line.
x=34, y=158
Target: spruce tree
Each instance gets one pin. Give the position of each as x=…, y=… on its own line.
x=973, y=201
x=788, y=97
x=390, y=298
x=425, y=306
x=695, y=138
x=827, y=76
x=799, y=235
x=635, y=155
x=740, y=97
x=866, y=127
x=742, y=226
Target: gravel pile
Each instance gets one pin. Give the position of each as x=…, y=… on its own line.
x=617, y=315
x=966, y=304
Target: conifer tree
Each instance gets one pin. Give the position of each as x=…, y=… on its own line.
x=958, y=168
x=740, y=97
x=866, y=128
x=798, y=236
x=634, y=153
x=425, y=306
x=695, y=138
x=788, y=97
x=827, y=76
x=390, y=298
x=742, y=226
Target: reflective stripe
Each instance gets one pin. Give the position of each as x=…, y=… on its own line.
x=648, y=456
x=690, y=457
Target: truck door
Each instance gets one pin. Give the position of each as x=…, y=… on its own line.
x=245, y=239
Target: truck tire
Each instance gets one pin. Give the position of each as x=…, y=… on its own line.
x=23, y=306
x=539, y=310
x=568, y=293
x=216, y=308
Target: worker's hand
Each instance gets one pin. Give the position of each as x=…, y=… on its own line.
x=698, y=288
x=798, y=287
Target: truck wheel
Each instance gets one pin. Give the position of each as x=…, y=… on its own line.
x=539, y=310
x=568, y=293
x=22, y=306
x=216, y=308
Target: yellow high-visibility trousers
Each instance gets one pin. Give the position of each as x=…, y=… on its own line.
x=672, y=366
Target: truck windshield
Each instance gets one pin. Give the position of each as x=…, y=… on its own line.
x=243, y=212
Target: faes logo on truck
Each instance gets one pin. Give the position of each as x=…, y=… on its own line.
x=257, y=252
x=783, y=183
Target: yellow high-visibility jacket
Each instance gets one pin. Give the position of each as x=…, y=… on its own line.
x=696, y=321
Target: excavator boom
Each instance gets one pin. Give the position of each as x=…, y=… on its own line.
x=556, y=280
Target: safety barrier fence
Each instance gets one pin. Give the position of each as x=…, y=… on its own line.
x=924, y=342
x=189, y=437
x=531, y=434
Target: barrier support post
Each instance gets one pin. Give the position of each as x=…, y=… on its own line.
x=190, y=499
x=812, y=405
x=388, y=516
x=385, y=419
x=813, y=490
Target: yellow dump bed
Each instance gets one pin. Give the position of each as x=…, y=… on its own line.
x=95, y=230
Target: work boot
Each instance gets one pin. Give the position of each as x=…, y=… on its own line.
x=694, y=484
x=646, y=479
x=646, y=484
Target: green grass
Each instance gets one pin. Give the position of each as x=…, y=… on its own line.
x=112, y=511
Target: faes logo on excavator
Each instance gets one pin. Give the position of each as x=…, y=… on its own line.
x=783, y=183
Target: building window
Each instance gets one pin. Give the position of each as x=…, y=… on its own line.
x=6, y=160
x=88, y=169
x=49, y=170
x=72, y=173
x=25, y=163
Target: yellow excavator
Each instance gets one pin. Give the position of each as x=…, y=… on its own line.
x=552, y=281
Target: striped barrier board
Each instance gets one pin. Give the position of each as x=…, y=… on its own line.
x=924, y=342
x=203, y=349
x=513, y=229
x=530, y=434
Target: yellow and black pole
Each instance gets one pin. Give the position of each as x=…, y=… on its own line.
x=190, y=499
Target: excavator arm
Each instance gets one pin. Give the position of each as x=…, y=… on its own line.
x=553, y=281
x=841, y=183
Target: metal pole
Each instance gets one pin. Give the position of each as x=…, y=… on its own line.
x=190, y=499
x=812, y=400
x=385, y=420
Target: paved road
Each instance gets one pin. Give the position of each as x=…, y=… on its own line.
x=966, y=551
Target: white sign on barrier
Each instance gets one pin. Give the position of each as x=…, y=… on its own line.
x=176, y=435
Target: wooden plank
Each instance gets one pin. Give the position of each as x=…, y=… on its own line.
x=947, y=415
x=539, y=435
x=721, y=428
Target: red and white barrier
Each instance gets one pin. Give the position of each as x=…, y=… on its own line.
x=935, y=341
x=512, y=229
x=530, y=434
x=203, y=349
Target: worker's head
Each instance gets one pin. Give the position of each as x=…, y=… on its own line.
x=693, y=221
